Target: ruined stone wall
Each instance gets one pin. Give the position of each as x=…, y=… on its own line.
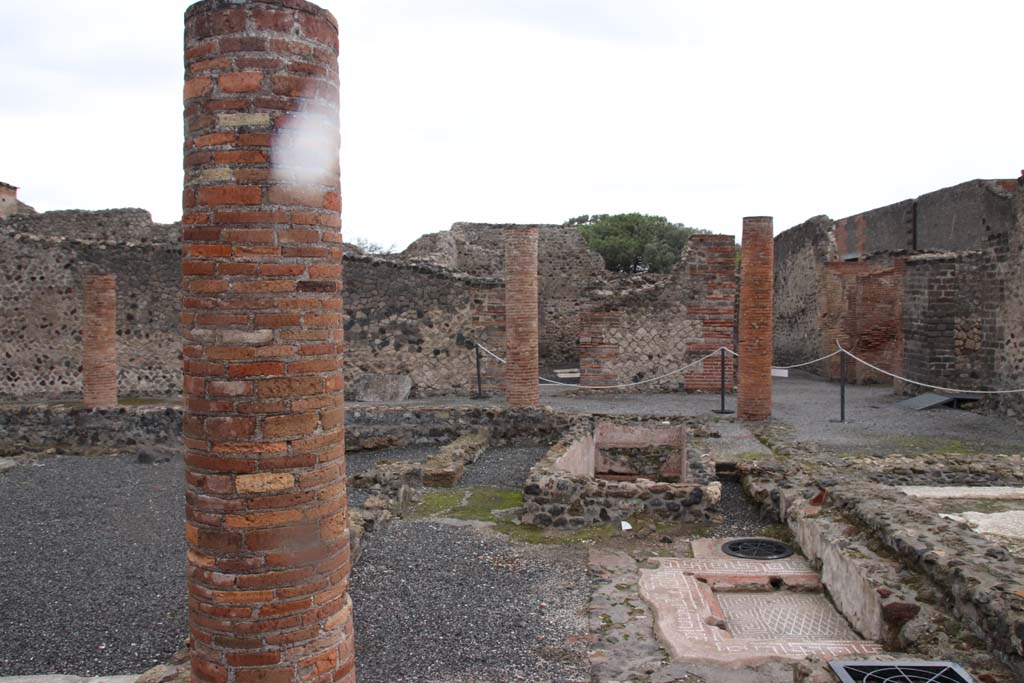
x=402, y=319
x=569, y=274
x=861, y=306
x=665, y=323
x=913, y=287
x=420, y=320
x=134, y=226
x=40, y=330
x=952, y=319
x=1010, y=361
x=805, y=249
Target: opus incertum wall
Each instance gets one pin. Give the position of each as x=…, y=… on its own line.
x=756, y=281
x=522, y=386
x=267, y=524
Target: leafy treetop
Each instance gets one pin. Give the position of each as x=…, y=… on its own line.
x=634, y=242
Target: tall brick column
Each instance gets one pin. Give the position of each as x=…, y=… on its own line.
x=267, y=521
x=99, y=342
x=756, y=283
x=522, y=387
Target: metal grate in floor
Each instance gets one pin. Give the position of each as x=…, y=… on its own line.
x=900, y=672
x=757, y=549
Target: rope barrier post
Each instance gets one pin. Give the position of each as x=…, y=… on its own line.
x=842, y=386
x=722, y=410
x=479, y=378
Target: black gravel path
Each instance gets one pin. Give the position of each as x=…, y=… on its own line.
x=92, y=566
x=502, y=467
x=741, y=516
x=442, y=604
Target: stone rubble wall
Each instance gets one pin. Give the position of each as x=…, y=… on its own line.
x=569, y=273
x=804, y=249
x=41, y=328
x=923, y=288
x=561, y=490
x=1010, y=360
x=420, y=320
x=400, y=318
x=135, y=226
x=978, y=580
x=666, y=322
x=74, y=430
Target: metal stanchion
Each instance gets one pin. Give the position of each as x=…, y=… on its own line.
x=842, y=387
x=722, y=410
x=479, y=377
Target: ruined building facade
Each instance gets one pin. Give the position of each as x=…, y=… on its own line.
x=928, y=288
x=413, y=316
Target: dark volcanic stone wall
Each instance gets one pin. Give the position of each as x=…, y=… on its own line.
x=805, y=249
x=419, y=320
x=569, y=273
x=402, y=319
x=40, y=330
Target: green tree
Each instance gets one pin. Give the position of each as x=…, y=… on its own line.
x=634, y=242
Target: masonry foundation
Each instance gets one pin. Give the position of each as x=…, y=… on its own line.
x=521, y=323
x=267, y=521
x=99, y=342
x=755, y=385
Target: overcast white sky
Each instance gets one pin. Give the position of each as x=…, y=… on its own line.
x=540, y=110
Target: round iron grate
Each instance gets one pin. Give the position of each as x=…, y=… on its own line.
x=757, y=549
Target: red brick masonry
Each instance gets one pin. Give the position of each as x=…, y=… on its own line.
x=267, y=521
x=522, y=386
x=99, y=342
x=756, y=283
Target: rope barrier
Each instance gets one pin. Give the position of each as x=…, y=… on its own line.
x=490, y=353
x=922, y=384
x=800, y=365
x=783, y=367
x=633, y=384
x=611, y=386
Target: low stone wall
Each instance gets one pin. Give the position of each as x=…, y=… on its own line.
x=859, y=533
x=562, y=490
x=73, y=429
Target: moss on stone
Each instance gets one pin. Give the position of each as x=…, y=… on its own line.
x=481, y=503
x=437, y=502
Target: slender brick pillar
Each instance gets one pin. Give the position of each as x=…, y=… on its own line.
x=99, y=342
x=756, y=282
x=522, y=388
x=267, y=521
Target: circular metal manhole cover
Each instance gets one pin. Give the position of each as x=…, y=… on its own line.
x=757, y=549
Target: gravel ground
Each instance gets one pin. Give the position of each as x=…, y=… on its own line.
x=874, y=423
x=92, y=566
x=741, y=516
x=441, y=604
x=502, y=467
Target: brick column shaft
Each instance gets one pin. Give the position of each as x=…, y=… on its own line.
x=267, y=521
x=756, y=284
x=522, y=388
x=99, y=342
